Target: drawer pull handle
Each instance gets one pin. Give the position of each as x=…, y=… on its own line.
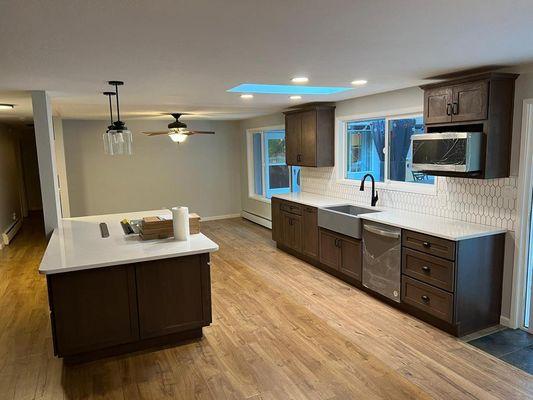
x=425, y=299
x=426, y=244
x=425, y=268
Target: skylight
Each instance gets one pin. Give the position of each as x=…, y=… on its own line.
x=287, y=89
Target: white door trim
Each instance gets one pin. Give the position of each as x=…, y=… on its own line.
x=525, y=187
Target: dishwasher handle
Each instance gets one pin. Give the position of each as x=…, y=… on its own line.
x=382, y=232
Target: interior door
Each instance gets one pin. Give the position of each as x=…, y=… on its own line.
x=470, y=101
x=437, y=105
x=293, y=128
x=308, y=139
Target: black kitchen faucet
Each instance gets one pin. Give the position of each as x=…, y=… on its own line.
x=374, y=193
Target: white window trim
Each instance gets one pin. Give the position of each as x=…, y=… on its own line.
x=340, y=153
x=250, y=160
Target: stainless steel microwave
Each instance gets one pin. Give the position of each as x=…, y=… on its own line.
x=447, y=151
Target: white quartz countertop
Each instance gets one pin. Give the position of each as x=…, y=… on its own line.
x=445, y=228
x=77, y=244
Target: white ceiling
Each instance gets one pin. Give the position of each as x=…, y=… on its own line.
x=183, y=55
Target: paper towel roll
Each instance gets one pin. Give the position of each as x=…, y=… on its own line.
x=180, y=223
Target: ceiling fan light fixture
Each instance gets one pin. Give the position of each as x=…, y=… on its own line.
x=177, y=137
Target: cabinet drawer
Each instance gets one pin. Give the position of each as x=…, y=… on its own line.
x=436, y=302
x=430, y=269
x=292, y=208
x=429, y=244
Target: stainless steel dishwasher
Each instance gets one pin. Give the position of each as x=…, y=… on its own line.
x=382, y=259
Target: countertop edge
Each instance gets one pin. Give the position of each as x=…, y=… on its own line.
x=126, y=261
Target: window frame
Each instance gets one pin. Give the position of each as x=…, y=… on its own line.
x=341, y=154
x=250, y=161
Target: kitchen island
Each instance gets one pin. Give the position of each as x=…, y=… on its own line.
x=117, y=294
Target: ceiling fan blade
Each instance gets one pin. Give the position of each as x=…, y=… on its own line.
x=201, y=132
x=156, y=133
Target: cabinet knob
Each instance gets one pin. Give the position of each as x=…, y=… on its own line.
x=426, y=244
x=449, y=109
x=455, y=108
x=425, y=268
x=425, y=299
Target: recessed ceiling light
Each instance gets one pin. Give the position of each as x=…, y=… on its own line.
x=7, y=106
x=295, y=97
x=300, y=79
x=359, y=82
x=247, y=96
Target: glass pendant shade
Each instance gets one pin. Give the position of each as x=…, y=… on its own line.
x=118, y=142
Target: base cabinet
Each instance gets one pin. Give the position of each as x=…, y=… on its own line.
x=453, y=285
x=118, y=309
x=341, y=253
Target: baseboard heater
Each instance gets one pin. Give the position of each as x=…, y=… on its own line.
x=257, y=219
x=10, y=232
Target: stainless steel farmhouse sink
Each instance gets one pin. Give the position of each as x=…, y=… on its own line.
x=343, y=219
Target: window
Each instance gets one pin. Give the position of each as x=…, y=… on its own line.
x=382, y=147
x=269, y=173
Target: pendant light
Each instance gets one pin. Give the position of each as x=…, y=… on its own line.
x=118, y=138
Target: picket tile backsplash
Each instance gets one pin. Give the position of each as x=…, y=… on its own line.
x=488, y=202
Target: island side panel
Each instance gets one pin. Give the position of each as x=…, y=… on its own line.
x=93, y=309
x=170, y=295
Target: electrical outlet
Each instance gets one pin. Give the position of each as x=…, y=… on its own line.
x=14, y=216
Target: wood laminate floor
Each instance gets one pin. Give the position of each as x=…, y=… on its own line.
x=281, y=330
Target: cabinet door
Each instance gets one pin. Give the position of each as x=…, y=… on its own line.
x=310, y=232
x=277, y=234
x=437, y=105
x=173, y=295
x=292, y=231
x=293, y=128
x=93, y=309
x=329, y=249
x=351, y=258
x=470, y=101
x=308, y=139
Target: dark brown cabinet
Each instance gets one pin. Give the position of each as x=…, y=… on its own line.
x=277, y=232
x=470, y=101
x=341, y=253
x=170, y=296
x=93, y=309
x=292, y=230
x=310, y=232
x=114, y=310
x=437, y=105
x=309, y=136
x=480, y=103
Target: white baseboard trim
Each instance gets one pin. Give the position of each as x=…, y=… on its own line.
x=505, y=321
x=257, y=219
x=215, y=217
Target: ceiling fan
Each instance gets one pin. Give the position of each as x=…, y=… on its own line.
x=177, y=130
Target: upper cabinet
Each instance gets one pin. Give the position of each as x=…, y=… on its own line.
x=309, y=135
x=478, y=103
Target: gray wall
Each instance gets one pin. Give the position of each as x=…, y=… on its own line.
x=203, y=173
x=9, y=178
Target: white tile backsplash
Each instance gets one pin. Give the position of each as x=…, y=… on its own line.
x=489, y=201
